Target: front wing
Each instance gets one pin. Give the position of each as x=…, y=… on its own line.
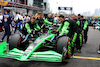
x=50, y=56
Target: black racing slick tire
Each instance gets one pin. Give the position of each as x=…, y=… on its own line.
x=15, y=41
x=61, y=44
x=64, y=47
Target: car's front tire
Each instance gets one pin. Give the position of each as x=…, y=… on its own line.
x=15, y=41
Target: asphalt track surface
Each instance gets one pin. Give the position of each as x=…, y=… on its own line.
x=87, y=58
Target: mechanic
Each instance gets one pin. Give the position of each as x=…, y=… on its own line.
x=50, y=19
x=79, y=35
x=77, y=38
x=7, y=19
x=31, y=25
x=63, y=28
x=84, y=24
x=70, y=27
x=41, y=21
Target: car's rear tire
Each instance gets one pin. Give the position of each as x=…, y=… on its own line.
x=63, y=47
x=61, y=42
x=15, y=41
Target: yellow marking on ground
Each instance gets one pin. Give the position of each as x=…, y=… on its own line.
x=91, y=58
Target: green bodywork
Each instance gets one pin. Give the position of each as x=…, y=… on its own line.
x=30, y=53
x=3, y=47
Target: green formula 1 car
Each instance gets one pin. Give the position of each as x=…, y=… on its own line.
x=44, y=47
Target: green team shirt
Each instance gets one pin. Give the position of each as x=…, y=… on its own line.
x=63, y=28
x=27, y=26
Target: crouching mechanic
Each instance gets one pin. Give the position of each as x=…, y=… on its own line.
x=29, y=26
x=70, y=27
